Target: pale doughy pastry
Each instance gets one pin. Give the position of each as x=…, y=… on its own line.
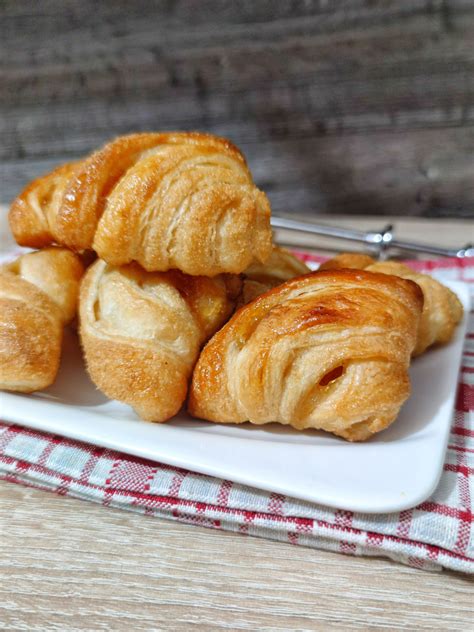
x=329, y=350
x=38, y=296
x=173, y=200
x=442, y=310
x=141, y=331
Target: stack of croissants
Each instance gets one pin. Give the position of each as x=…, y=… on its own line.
x=162, y=244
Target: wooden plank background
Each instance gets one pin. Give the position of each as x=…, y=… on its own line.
x=341, y=106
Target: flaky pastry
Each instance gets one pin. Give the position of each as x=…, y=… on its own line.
x=174, y=200
x=142, y=331
x=38, y=296
x=260, y=277
x=442, y=310
x=328, y=350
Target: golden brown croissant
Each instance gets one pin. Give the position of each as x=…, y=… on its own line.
x=347, y=260
x=142, y=331
x=442, y=310
x=174, y=200
x=260, y=277
x=38, y=296
x=329, y=350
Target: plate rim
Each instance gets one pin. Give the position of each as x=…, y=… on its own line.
x=31, y=420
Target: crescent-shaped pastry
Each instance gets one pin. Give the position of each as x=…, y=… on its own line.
x=142, y=331
x=442, y=310
x=329, y=350
x=260, y=277
x=174, y=200
x=38, y=296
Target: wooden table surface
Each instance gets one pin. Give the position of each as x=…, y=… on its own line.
x=66, y=564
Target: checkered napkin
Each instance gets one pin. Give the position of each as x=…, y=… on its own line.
x=438, y=533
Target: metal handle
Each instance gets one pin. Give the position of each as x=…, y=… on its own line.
x=381, y=240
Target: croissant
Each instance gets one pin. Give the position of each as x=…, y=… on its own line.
x=38, y=296
x=174, y=200
x=141, y=331
x=329, y=350
x=442, y=310
x=260, y=277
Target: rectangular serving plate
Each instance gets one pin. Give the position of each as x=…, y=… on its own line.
x=397, y=469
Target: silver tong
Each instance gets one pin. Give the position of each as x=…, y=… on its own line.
x=380, y=241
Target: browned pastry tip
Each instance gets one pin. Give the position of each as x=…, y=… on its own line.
x=442, y=309
x=38, y=296
x=141, y=331
x=347, y=260
x=329, y=350
x=33, y=213
x=174, y=200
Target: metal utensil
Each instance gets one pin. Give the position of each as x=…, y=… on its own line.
x=381, y=241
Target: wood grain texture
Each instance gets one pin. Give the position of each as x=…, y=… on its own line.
x=70, y=565
x=345, y=106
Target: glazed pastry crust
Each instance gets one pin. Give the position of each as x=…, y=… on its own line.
x=141, y=332
x=329, y=350
x=38, y=296
x=261, y=277
x=33, y=214
x=442, y=310
x=174, y=200
x=347, y=260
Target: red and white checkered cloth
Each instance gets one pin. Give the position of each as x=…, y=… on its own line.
x=438, y=533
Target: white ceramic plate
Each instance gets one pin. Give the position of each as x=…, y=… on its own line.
x=396, y=469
